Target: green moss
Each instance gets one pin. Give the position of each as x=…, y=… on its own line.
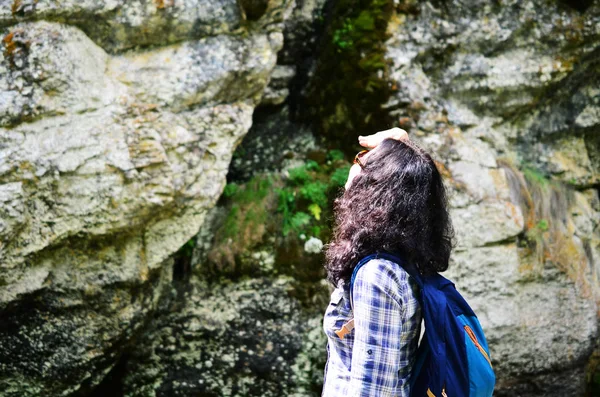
x=542, y=225
x=256, y=189
x=296, y=222
x=244, y=227
x=231, y=225
x=548, y=238
x=344, y=98
x=230, y=190
x=298, y=175
x=245, y=208
x=535, y=176
x=342, y=38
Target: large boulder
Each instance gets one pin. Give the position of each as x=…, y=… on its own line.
x=108, y=165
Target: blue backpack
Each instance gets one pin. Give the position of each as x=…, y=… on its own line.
x=453, y=359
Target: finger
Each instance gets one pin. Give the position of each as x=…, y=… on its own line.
x=398, y=133
x=367, y=141
x=371, y=141
x=394, y=133
x=354, y=171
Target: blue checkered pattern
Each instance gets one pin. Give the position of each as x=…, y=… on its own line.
x=375, y=359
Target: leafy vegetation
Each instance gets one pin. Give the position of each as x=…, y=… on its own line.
x=271, y=211
x=534, y=176
x=245, y=224
x=350, y=82
x=308, y=193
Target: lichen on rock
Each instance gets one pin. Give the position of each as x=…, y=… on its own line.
x=109, y=163
x=148, y=248
x=227, y=340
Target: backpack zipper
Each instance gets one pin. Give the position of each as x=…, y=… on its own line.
x=476, y=342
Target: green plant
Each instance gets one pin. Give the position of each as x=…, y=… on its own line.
x=316, y=230
x=315, y=192
x=542, y=225
x=535, y=235
x=298, y=175
x=297, y=222
x=315, y=210
x=231, y=224
x=312, y=165
x=286, y=203
x=365, y=21
x=339, y=176
x=342, y=37
x=248, y=208
x=335, y=155
x=254, y=190
x=230, y=190
x=533, y=175
x=292, y=219
x=305, y=200
x=352, y=73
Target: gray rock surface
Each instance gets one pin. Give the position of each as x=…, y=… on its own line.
x=108, y=165
x=118, y=123
x=235, y=339
x=118, y=25
x=485, y=86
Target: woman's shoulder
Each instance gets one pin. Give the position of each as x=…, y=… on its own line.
x=390, y=277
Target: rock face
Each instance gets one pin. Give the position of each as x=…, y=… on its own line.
x=109, y=162
x=233, y=339
x=117, y=25
x=506, y=97
x=118, y=123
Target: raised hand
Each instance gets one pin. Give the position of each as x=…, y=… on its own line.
x=371, y=141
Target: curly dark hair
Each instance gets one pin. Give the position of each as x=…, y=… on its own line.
x=397, y=203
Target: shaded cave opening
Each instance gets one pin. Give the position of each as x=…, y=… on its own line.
x=182, y=262
x=579, y=5
x=112, y=385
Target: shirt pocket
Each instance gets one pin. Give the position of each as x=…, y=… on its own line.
x=338, y=312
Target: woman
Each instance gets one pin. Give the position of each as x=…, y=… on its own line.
x=394, y=201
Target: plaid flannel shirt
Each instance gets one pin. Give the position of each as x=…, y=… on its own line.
x=376, y=357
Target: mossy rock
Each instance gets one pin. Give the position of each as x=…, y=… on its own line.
x=350, y=84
